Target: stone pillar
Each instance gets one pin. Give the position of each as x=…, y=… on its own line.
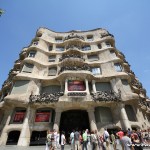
x=87, y=86
x=93, y=86
x=57, y=119
x=24, y=139
x=124, y=118
x=92, y=121
x=66, y=86
x=7, y=119
x=113, y=85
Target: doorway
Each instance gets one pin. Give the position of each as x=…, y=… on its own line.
x=13, y=138
x=72, y=119
x=38, y=138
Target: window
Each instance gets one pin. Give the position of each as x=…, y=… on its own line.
x=90, y=37
x=43, y=115
x=50, y=47
x=76, y=85
x=52, y=58
x=51, y=89
x=126, y=85
x=93, y=57
x=96, y=71
x=20, y=87
x=58, y=39
x=60, y=48
x=86, y=48
x=118, y=67
x=113, y=54
x=32, y=54
x=52, y=71
x=103, y=86
x=103, y=115
x=19, y=116
x=35, y=43
x=130, y=113
x=99, y=46
x=108, y=44
x=28, y=68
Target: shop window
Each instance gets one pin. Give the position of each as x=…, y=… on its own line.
x=103, y=86
x=76, y=85
x=43, y=115
x=90, y=38
x=19, y=116
x=60, y=48
x=103, y=115
x=130, y=113
x=118, y=67
x=52, y=58
x=27, y=68
x=86, y=48
x=96, y=71
x=52, y=71
x=58, y=39
x=20, y=87
x=32, y=54
x=93, y=57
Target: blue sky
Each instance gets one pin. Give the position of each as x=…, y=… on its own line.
x=127, y=20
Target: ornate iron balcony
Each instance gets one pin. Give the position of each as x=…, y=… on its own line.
x=45, y=97
x=70, y=56
x=77, y=94
x=106, y=96
x=73, y=36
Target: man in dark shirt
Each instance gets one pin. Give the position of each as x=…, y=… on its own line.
x=77, y=139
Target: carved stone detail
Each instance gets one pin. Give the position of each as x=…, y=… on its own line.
x=45, y=97
x=72, y=36
x=106, y=96
x=70, y=56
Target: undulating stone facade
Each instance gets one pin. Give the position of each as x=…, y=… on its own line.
x=64, y=80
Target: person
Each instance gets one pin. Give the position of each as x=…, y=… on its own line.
x=84, y=137
x=63, y=140
x=49, y=139
x=106, y=139
x=120, y=134
x=57, y=140
x=54, y=136
x=88, y=140
x=113, y=140
x=72, y=139
x=76, y=139
x=94, y=141
x=126, y=141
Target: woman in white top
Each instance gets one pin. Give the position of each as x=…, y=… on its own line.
x=63, y=140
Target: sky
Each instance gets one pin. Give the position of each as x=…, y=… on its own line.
x=127, y=20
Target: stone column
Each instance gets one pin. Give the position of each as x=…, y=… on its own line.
x=57, y=119
x=113, y=84
x=93, y=86
x=92, y=121
x=124, y=118
x=7, y=119
x=66, y=86
x=24, y=139
x=87, y=86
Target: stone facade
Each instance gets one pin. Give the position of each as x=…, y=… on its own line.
x=75, y=70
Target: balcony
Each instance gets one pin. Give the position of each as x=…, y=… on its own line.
x=76, y=94
x=74, y=37
x=75, y=68
x=73, y=47
x=45, y=97
x=106, y=96
x=71, y=56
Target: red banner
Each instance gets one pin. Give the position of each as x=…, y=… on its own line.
x=42, y=117
x=75, y=85
x=19, y=117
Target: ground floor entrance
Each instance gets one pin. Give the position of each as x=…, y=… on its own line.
x=13, y=138
x=72, y=119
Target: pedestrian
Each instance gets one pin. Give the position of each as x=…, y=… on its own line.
x=57, y=140
x=72, y=139
x=88, y=140
x=106, y=137
x=113, y=140
x=63, y=140
x=120, y=134
x=76, y=139
x=94, y=141
x=49, y=140
x=84, y=137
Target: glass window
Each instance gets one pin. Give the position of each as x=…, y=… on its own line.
x=50, y=47
x=130, y=113
x=93, y=57
x=96, y=71
x=35, y=43
x=28, y=68
x=20, y=87
x=90, y=37
x=52, y=71
x=58, y=39
x=76, y=85
x=103, y=86
x=60, y=48
x=99, y=46
x=86, y=48
x=32, y=54
x=118, y=67
x=19, y=116
x=51, y=89
x=43, y=116
x=126, y=85
x=108, y=44
x=52, y=58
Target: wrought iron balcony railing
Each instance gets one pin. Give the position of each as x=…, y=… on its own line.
x=71, y=56
x=73, y=36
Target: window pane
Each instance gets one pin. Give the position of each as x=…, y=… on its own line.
x=118, y=67
x=52, y=71
x=28, y=68
x=86, y=48
x=130, y=113
x=51, y=89
x=60, y=48
x=126, y=85
x=96, y=71
x=52, y=58
x=32, y=54
x=103, y=86
x=93, y=57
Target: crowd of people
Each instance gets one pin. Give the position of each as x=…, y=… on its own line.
x=85, y=140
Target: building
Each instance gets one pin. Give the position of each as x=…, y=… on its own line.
x=68, y=80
